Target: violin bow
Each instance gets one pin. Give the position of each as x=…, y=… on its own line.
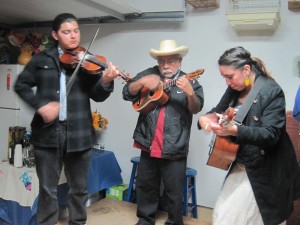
x=74, y=74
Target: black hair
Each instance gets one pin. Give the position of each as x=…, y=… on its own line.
x=61, y=18
x=238, y=57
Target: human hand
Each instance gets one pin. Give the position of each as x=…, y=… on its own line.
x=207, y=120
x=49, y=112
x=230, y=130
x=110, y=73
x=151, y=81
x=184, y=84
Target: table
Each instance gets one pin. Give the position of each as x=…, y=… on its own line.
x=19, y=186
x=18, y=190
x=104, y=171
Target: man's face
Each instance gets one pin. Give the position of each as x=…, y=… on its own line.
x=169, y=65
x=68, y=35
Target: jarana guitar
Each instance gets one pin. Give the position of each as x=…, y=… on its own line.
x=222, y=150
x=150, y=99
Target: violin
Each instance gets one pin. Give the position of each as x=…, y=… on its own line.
x=92, y=64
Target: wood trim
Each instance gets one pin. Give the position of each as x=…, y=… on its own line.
x=204, y=3
x=294, y=4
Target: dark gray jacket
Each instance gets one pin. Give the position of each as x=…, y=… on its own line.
x=43, y=72
x=178, y=119
x=267, y=152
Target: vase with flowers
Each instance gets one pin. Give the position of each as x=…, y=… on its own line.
x=99, y=121
x=25, y=54
x=29, y=43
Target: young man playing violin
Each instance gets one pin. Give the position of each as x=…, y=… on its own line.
x=62, y=130
x=163, y=132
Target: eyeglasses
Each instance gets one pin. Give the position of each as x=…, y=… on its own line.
x=170, y=62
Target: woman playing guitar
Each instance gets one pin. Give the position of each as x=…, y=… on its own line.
x=264, y=178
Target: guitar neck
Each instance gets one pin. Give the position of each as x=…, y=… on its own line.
x=169, y=84
x=190, y=76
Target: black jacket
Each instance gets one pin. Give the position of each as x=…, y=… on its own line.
x=178, y=119
x=267, y=152
x=43, y=72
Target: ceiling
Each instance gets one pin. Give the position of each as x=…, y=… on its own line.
x=28, y=13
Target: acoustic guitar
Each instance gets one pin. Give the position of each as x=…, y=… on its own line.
x=222, y=150
x=150, y=99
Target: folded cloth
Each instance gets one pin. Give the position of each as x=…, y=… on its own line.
x=296, y=110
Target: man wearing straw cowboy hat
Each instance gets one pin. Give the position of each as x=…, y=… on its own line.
x=162, y=131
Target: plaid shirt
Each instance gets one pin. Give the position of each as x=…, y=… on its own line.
x=43, y=72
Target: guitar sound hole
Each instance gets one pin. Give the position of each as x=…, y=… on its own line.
x=151, y=93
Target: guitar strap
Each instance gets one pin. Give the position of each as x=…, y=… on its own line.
x=242, y=112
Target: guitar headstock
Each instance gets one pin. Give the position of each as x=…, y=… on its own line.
x=194, y=75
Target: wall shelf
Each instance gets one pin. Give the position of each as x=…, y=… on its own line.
x=204, y=3
x=254, y=21
x=254, y=14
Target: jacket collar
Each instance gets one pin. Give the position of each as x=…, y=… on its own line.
x=53, y=53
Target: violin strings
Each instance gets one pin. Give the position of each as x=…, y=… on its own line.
x=74, y=75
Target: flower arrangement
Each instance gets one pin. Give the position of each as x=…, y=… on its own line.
x=31, y=41
x=99, y=122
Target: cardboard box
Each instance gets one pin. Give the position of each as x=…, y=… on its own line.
x=117, y=192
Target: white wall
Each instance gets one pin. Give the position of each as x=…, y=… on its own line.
x=208, y=35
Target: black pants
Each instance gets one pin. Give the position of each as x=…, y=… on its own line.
x=49, y=163
x=150, y=174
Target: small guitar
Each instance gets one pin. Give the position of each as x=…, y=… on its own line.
x=222, y=150
x=150, y=99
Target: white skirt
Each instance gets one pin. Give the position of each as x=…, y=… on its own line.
x=236, y=204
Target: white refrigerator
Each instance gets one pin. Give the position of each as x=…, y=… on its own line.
x=13, y=110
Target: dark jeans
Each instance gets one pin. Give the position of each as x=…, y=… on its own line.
x=151, y=172
x=49, y=163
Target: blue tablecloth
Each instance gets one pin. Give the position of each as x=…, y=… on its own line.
x=104, y=173
x=11, y=213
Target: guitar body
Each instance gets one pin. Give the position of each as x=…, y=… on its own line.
x=149, y=99
x=222, y=153
x=222, y=150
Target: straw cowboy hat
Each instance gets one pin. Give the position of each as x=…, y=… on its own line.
x=169, y=47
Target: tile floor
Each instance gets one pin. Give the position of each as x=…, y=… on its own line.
x=115, y=212
x=205, y=214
